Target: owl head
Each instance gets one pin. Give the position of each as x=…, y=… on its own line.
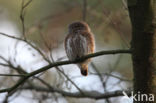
x=78, y=26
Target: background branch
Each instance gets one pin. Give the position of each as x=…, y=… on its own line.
x=88, y=94
x=21, y=81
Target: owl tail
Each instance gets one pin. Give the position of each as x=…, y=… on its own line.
x=84, y=69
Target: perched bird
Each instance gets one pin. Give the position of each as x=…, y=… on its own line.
x=79, y=42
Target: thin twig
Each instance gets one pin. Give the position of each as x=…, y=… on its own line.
x=58, y=68
x=84, y=11
x=13, y=75
x=101, y=79
x=88, y=94
x=27, y=42
x=70, y=80
x=114, y=76
x=22, y=14
x=24, y=40
x=4, y=65
x=64, y=63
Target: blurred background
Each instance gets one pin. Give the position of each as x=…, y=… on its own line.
x=44, y=24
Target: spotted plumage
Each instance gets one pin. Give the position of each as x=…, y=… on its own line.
x=79, y=42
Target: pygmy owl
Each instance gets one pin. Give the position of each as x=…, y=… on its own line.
x=79, y=42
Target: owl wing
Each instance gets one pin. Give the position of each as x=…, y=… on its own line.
x=68, y=47
x=79, y=45
x=90, y=42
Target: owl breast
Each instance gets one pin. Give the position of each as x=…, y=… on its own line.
x=76, y=46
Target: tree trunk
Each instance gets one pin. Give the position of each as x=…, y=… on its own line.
x=143, y=19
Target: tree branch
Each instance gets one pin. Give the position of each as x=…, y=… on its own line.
x=27, y=76
x=13, y=75
x=27, y=42
x=84, y=11
x=87, y=94
x=22, y=14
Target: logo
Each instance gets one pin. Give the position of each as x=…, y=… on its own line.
x=137, y=97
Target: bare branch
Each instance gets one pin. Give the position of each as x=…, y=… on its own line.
x=27, y=42
x=58, y=68
x=88, y=94
x=26, y=4
x=65, y=63
x=22, y=14
x=26, y=76
x=70, y=80
x=114, y=76
x=4, y=65
x=15, y=75
x=13, y=37
x=84, y=11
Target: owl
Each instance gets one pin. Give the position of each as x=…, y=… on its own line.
x=79, y=42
